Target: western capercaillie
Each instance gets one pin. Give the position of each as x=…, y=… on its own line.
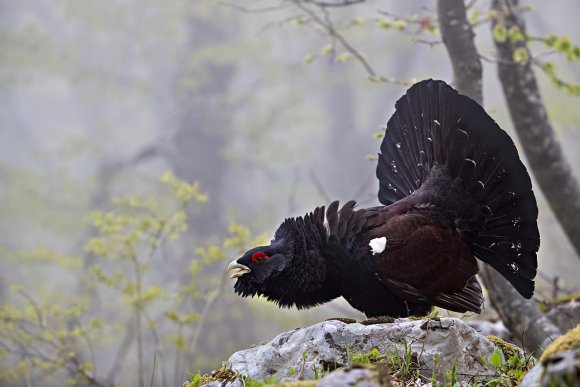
x=453, y=189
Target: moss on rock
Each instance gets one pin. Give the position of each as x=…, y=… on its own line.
x=567, y=342
x=223, y=374
x=548, y=304
x=508, y=349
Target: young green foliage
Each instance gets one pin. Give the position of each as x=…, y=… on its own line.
x=55, y=336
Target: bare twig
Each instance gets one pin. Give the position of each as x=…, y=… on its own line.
x=329, y=28
x=158, y=346
x=292, y=192
x=341, y=3
x=363, y=187
x=272, y=8
x=211, y=298
x=319, y=187
x=430, y=43
x=138, y=314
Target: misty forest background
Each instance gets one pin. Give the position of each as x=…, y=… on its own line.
x=145, y=144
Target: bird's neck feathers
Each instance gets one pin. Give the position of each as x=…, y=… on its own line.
x=302, y=235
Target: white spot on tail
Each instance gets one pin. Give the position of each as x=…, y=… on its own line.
x=378, y=245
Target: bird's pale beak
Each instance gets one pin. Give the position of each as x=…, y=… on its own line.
x=236, y=270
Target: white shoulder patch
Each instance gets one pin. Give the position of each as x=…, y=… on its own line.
x=378, y=245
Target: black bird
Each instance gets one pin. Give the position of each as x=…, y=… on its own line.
x=453, y=189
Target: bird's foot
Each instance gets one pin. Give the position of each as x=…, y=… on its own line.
x=378, y=320
x=343, y=319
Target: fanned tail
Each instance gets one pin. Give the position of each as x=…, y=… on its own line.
x=436, y=130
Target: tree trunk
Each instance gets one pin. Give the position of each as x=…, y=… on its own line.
x=550, y=167
x=458, y=35
x=522, y=317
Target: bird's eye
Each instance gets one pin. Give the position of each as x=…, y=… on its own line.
x=260, y=256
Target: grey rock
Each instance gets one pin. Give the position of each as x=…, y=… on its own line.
x=561, y=369
x=565, y=316
x=487, y=328
x=350, y=377
x=533, y=377
x=331, y=344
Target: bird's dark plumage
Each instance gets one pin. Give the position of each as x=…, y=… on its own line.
x=453, y=189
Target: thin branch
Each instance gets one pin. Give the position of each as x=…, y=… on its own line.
x=292, y=192
x=494, y=60
x=122, y=352
x=158, y=346
x=470, y=4
x=430, y=43
x=329, y=28
x=319, y=187
x=211, y=298
x=364, y=186
x=272, y=8
x=342, y=3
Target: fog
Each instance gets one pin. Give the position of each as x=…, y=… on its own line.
x=99, y=99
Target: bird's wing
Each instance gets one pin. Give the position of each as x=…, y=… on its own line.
x=424, y=262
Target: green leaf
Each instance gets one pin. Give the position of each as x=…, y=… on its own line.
x=515, y=35
x=327, y=50
x=496, y=358
x=385, y=24
x=343, y=57
x=309, y=59
x=358, y=21
x=400, y=24
x=573, y=54
x=521, y=56
x=499, y=33
x=433, y=30
x=550, y=40
x=563, y=44
x=473, y=17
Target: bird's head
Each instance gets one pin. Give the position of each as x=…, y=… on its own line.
x=258, y=269
x=290, y=271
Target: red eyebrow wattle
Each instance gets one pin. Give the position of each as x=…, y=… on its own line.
x=258, y=255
